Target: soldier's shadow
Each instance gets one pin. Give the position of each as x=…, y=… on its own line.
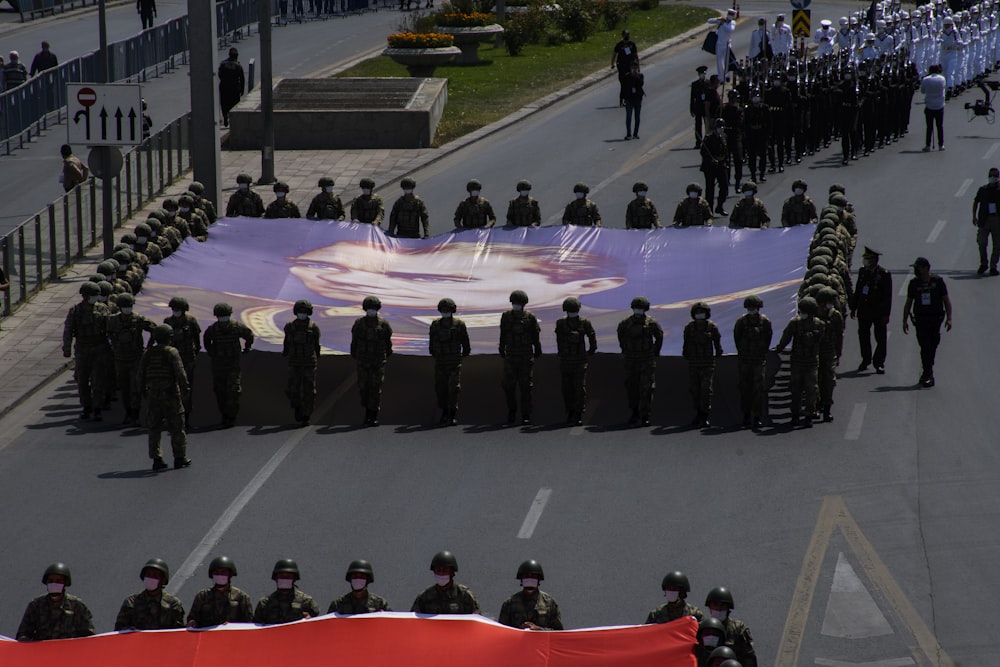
x=128, y=474
x=488, y=428
x=418, y=428
x=260, y=430
x=902, y=387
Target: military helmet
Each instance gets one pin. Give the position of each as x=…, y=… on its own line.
x=179, y=303
x=244, y=178
x=160, y=566
x=142, y=229
x=281, y=186
x=826, y=295
x=371, y=302
x=186, y=200
x=720, y=593
x=838, y=187
x=640, y=186
x=711, y=623
x=125, y=300
x=530, y=568
x=749, y=186
x=753, y=301
x=581, y=187
x=58, y=568
x=284, y=566
x=360, y=567
x=114, y=264
x=107, y=268
x=640, y=302
x=128, y=238
x=97, y=278
x=730, y=663
x=677, y=579
x=170, y=203
x=122, y=258
x=89, y=289
x=155, y=224
x=823, y=251
x=723, y=652
x=222, y=309
x=819, y=260
x=303, y=306
x=693, y=187
x=222, y=563
x=474, y=184
x=197, y=188
x=799, y=183
x=523, y=185
x=839, y=200
x=156, y=215
x=571, y=305
x=519, y=296
x=702, y=307
x=445, y=559
x=407, y=183
x=367, y=183
x=162, y=333
x=105, y=288
x=734, y=95
x=447, y=305
x=808, y=306
x=325, y=182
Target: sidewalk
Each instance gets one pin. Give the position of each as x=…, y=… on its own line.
x=31, y=338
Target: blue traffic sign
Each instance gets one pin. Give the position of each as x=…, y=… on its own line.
x=800, y=4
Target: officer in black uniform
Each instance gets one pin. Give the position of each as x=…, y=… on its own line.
x=871, y=305
x=698, y=89
x=732, y=114
x=927, y=304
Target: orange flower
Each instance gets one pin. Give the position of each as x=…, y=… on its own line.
x=420, y=40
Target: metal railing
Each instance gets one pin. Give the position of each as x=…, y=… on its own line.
x=41, y=248
x=36, y=8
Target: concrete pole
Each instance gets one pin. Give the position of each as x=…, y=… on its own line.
x=204, y=138
x=108, y=220
x=266, y=96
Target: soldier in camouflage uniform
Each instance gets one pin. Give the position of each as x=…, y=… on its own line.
x=86, y=322
x=474, y=211
x=168, y=243
x=187, y=341
x=641, y=338
x=244, y=202
x=830, y=348
x=57, y=614
x=449, y=343
x=222, y=343
x=702, y=344
x=367, y=207
x=164, y=384
x=805, y=333
x=127, y=242
x=576, y=342
x=127, y=345
x=359, y=601
x=222, y=602
x=203, y=202
x=152, y=608
x=523, y=211
x=581, y=211
x=195, y=217
x=675, y=588
x=711, y=635
x=281, y=207
x=144, y=243
x=409, y=214
x=371, y=346
x=749, y=211
x=694, y=210
x=325, y=205
x=287, y=603
x=752, y=335
x=445, y=596
x=641, y=212
x=798, y=209
x=301, y=346
x=737, y=635
x=130, y=274
x=520, y=345
x=170, y=208
x=530, y=608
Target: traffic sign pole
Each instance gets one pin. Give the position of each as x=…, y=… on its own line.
x=109, y=224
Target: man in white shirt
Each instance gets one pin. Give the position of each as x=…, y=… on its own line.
x=726, y=28
x=933, y=87
x=760, y=40
x=781, y=37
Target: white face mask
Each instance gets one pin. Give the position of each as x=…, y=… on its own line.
x=571, y=315
x=302, y=316
x=799, y=191
x=244, y=186
x=829, y=306
x=755, y=100
x=328, y=189
x=127, y=310
x=102, y=299
x=184, y=209
x=223, y=319
x=517, y=307
x=151, y=583
x=141, y=240
x=171, y=214
x=408, y=192
x=358, y=584
x=446, y=315
x=366, y=191
x=279, y=195
x=720, y=614
x=693, y=195
x=700, y=316
x=371, y=312
x=177, y=313
x=710, y=640
x=92, y=299
x=748, y=194
x=220, y=579
x=523, y=193
x=802, y=316
x=442, y=579
x=638, y=311
x=473, y=193
x=580, y=195
x=641, y=194
x=529, y=582
x=672, y=596
x=752, y=311
x=285, y=584
x=54, y=588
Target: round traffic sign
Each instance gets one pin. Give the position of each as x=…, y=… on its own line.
x=86, y=96
x=800, y=4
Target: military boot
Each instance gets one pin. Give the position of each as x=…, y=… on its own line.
x=159, y=463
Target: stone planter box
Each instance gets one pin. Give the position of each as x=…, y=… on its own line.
x=468, y=40
x=422, y=62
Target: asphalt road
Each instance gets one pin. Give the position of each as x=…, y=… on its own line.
x=865, y=541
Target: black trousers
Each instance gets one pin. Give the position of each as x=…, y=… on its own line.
x=934, y=117
x=928, y=337
x=865, y=327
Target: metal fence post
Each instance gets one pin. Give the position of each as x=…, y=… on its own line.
x=128, y=184
x=38, y=251
x=21, y=267
x=79, y=221
x=5, y=260
x=53, y=253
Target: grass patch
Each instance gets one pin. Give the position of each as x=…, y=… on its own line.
x=481, y=94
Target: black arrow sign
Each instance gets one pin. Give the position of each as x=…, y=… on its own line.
x=104, y=124
x=118, y=123
x=131, y=124
x=86, y=114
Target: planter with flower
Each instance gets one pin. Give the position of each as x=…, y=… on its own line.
x=421, y=52
x=469, y=29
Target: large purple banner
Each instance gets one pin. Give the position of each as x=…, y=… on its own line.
x=262, y=267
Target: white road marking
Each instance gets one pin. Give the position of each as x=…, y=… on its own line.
x=850, y=611
x=891, y=662
x=857, y=420
x=991, y=151
x=965, y=186
x=936, y=231
x=534, y=514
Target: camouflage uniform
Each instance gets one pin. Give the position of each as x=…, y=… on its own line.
x=127, y=346
x=368, y=209
x=187, y=341
x=752, y=335
x=245, y=203
x=455, y=599
x=524, y=212
x=301, y=346
x=540, y=609
x=67, y=619
x=806, y=336
x=576, y=340
x=449, y=342
x=282, y=208
x=178, y=223
x=641, y=214
x=798, y=210
x=88, y=325
x=197, y=222
x=212, y=607
x=371, y=345
x=474, y=212
x=151, y=250
x=206, y=205
x=830, y=350
x=641, y=338
x=348, y=604
x=519, y=345
x=749, y=213
x=693, y=213
x=285, y=606
x=325, y=206
x=222, y=343
x=582, y=212
x=408, y=215
x=739, y=639
x=671, y=611
x=161, y=374
x=145, y=611
x=702, y=344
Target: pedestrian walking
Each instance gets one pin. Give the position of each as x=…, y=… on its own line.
x=14, y=73
x=871, y=305
x=986, y=216
x=698, y=89
x=164, y=385
x=43, y=60
x=927, y=305
x=147, y=10
x=633, y=94
x=933, y=86
x=232, y=81
x=74, y=172
x=624, y=55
